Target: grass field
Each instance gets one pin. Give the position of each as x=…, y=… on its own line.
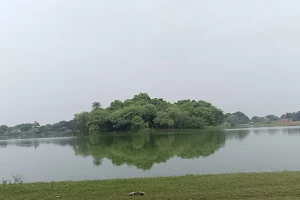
x=283, y=185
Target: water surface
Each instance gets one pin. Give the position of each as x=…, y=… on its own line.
x=148, y=155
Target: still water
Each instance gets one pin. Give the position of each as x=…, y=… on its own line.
x=148, y=155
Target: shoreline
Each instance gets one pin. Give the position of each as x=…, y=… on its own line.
x=260, y=185
x=259, y=126
x=152, y=131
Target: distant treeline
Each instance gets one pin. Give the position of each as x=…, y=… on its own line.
x=239, y=118
x=144, y=113
x=56, y=129
x=141, y=112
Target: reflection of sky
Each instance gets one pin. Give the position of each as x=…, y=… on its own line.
x=262, y=151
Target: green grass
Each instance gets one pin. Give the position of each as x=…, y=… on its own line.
x=283, y=185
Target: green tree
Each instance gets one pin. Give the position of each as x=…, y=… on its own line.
x=131, y=111
x=128, y=102
x=99, y=120
x=96, y=106
x=24, y=127
x=232, y=120
x=137, y=123
x=196, y=122
x=71, y=125
x=164, y=120
x=150, y=112
x=142, y=98
x=283, y=116
x=204, y=103
x=160, y=104
x=297, y=116
x=181, y=118
x=187, y=105
x=119, y=123
x=241, y=118
x=3, y=129
x=290, y=115
x=256, y=119
x=36, y=124
x=116, y=105
x=81, y=122
x=218, y=115
x=272, y=117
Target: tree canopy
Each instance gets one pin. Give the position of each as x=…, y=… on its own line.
x=295, y=116
x=96, y=106
x=142, y=112
x=236, y=118
x=272, y=117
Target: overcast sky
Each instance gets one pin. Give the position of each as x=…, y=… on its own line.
x=59, y=56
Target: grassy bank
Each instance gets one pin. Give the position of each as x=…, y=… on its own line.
x=283, y=185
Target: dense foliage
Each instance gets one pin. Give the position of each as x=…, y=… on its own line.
x=295, y=116
x=239, y=118
x=236, y=118
x=272, y=118
x=142, y=112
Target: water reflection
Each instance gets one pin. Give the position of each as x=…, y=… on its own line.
x=239, y=134
x=144, y=150
x=63, y=159
x=3, y=144
x=292, y=131
x=276, y=130
x=242, y=134
x=37, y=142
x=272, y=131
x=258, y=131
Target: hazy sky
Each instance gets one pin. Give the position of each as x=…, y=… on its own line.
x=59, y=56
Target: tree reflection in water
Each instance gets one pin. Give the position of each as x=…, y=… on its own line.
x=143, y=150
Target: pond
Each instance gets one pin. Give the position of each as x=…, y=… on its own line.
x=149, y=155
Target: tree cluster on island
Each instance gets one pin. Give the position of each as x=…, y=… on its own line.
x=144, y=113
x=141, y=112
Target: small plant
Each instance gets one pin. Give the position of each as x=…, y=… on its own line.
x=18, y=179
x=4, y=181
